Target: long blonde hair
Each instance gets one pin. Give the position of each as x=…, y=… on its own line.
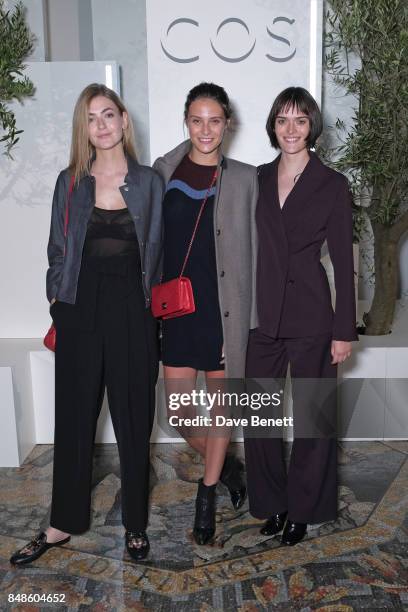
x=82, y=151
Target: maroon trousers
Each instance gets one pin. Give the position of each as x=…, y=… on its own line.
x=308, y=489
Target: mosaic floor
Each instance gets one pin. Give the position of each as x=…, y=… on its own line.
x=360, y=562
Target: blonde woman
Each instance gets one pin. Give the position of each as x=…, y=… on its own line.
x=104, y=256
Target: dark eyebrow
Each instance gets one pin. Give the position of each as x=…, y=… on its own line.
x=198, y=117
x=104, y=110
x=298, y=117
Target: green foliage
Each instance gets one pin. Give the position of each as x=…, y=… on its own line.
x=16, y=43
x=374, y=33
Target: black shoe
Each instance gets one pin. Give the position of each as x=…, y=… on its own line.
x=137, y=544
x=34, y=549
x=293, y=533
x=237, y=497
x=204, y=522
x=274, y=524
x=231, y=477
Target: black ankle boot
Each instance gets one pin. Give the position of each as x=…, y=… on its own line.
x=204, y=522
x=293, y=533
x=274, y=524
x=232, y=477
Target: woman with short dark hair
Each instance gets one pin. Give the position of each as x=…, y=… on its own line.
x=213, y=338
x=300, y=98
x=302, y=203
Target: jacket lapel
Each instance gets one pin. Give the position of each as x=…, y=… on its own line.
x=296, y=199
x=132, y=190
x=269, y=200
x=82, y=199
x=222, y=183
x=311, y=179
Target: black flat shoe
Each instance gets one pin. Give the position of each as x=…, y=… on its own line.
x=293, y=533
x=204, y=521
x=274, y=524
x=137, y=544
x=231, y=476
x=34, y=549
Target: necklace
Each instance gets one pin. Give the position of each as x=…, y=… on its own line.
x=298, y=173
x=295, y=178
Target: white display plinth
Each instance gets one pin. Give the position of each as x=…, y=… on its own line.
x=373, y=387
x=17, y=429
x=9, y=456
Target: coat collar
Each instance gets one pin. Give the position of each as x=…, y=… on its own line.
x=132, y=178
x=174, y=157
x=133, y=172
x=167, y=164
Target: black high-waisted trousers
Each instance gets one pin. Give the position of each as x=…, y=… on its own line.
x=308, y=491
x=108, y=338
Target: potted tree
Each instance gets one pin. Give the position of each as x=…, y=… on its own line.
x=374, y=151
x=16, y=43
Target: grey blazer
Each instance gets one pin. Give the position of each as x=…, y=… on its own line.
x=235, y=249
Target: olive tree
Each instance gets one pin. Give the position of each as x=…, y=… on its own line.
x=374, y=151
x=16, y=43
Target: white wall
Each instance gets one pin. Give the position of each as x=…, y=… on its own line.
x=26, y=188
x=254, y=49
x=119, y=32
x=63, y=30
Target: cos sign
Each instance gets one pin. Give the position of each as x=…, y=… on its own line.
x=245, y=52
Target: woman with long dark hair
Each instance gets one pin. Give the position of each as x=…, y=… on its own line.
x=104, y=255
x=302, y=203
x=220, y=267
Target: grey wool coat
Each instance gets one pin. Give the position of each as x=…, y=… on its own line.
x=235, y=249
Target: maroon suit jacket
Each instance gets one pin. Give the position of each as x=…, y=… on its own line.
x=293, y=294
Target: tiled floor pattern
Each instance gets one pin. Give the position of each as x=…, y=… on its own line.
x=360, y=562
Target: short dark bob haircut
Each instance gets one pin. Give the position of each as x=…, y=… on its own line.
x=212, y=91
x=300, y=98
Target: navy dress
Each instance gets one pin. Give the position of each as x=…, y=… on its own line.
x=194, y=340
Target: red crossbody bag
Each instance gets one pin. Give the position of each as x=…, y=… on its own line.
x=175, y=297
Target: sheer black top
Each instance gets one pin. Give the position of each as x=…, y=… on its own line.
x=110, y=232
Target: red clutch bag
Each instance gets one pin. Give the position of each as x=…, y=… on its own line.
x=50, y=338
x=173, y=299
